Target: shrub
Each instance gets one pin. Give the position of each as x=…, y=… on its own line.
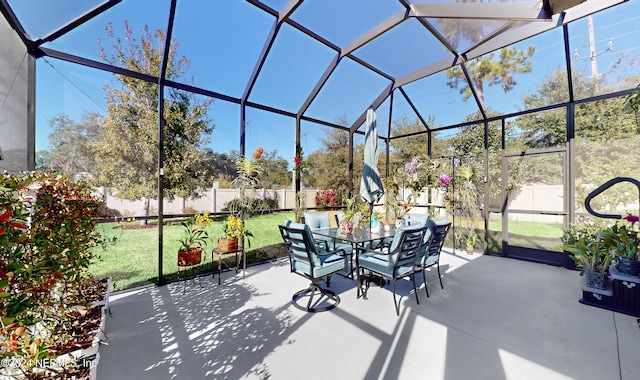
x=257, y=205
x=326, y=198
x=47, y=228
x=189, y=210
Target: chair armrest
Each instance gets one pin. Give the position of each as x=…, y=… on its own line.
x=339, y=251
x=383, y=251
x=319, y=242
x=380, y=244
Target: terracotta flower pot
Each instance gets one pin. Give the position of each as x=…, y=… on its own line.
x=190, y=257
x=226, y=244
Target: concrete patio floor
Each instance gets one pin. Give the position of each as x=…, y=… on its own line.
x=495, y=319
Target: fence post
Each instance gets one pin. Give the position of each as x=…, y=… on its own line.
x=213, y=189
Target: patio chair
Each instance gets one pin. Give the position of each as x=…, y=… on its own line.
x=395, y=262
x=429, y=253
x=413, y=218
x=314, y=262
x=317, y=220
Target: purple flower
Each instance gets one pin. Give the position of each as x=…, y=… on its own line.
x=445, y=179
x=411, y=167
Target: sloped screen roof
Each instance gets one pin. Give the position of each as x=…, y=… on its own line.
x=323, y=61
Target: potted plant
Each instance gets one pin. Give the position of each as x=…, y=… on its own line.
x=247, y=180
x=622, y=243
x=234, y=229
x=588, y=250
x=400, y=209
x=193, y=239
x=470, y=242
x=351, y=209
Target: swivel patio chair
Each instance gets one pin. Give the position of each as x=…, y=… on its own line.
x=395, y=262
x=429, y=253
x=314, y=262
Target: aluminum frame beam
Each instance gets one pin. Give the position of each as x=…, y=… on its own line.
x=529, y=11
x=533, y=29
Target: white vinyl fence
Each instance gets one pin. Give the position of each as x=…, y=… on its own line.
x=212, y=200
x=531, y=197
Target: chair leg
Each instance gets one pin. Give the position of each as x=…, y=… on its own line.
x=439, y=276
x=415, y=290
x=426, y=286
x=358, y=283
x=396, y=304
x=313, y=288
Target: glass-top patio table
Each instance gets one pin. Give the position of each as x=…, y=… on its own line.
x=358, y=240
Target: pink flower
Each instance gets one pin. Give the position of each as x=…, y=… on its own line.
x=445, y=179
x=297, y=161
x=631, y=219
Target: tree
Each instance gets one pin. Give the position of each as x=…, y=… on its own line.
x=275, y=170
x=487, y=69
x=404, y=149
x=606, y=140
x=220, y=167
x=70, y=144
x=127, y=154
x=42, y=161
x=331, y=164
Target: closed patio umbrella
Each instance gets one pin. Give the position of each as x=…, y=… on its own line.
x=371, y=189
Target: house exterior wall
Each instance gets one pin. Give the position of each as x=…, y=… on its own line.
x=17, y=103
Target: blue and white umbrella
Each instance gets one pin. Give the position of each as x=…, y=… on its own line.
x=371, y=189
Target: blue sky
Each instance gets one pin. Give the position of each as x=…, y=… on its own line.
x=222, y=39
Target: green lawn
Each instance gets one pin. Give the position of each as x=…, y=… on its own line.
x=538, y=229
x=133, y=259
x=539, y=235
